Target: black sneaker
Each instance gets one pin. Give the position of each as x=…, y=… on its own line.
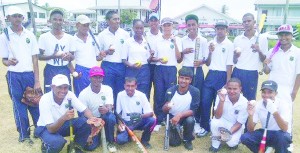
x=27, y=141
x=43, y=148
x=213, y=149
x=147, y=145
x=163, y=123
x=188, y=145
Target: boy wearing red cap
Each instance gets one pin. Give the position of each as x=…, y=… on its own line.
x=99, y=99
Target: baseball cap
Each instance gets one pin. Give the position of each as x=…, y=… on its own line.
x=153, y=15
x=83, y=19
x=59, y=80
x=14, y=10
x=96, y=71
x=285, y=28
x=221, y=23
x=269, y=84
x=166, y=20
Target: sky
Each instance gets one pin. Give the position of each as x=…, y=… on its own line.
x=170, y=8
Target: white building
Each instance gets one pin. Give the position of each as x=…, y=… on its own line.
x=40, y=13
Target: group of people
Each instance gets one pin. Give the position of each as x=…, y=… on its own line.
x=120, y=88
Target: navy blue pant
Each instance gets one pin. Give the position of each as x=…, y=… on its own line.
x=54, y=142
x=145, y=126
x=51, y=71
x=17, y=83
x=152, y=68
x=143, y=78
x=249, y=81
x=279, y=140
x=164, y=78
x=114, y=77
x=80, y=83
x=198, y=83
x=188, y=127
x=214, y=81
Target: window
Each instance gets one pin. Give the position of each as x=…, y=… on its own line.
x=42, y=15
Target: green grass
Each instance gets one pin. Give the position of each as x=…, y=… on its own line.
x=9, y=136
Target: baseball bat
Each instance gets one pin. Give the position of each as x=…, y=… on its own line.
x=145, y=37
x=167, y=131
x=132, y=136
x=103, y=140
x=274, y=51
x=262, y=145
x=196, y=54
x=260, y=26
x=5, y=31
x=72, y=145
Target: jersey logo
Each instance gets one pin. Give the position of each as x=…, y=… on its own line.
x=146, y=47
x=236, y=112
x=27, y=40
x=93, y=43
x=172, y=46
x=122, y=41
x=291, y=58
x=223, y=50
x=56, y=60
x=138, y=103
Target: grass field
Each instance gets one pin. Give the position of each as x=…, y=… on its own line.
x=9, y=136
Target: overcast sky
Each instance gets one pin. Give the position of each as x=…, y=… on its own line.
x=171, y=8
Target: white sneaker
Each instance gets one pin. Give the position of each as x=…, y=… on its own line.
x=291, y=148
x=197, y=128
x=111, y=147
x=202, y=133
x=156, y=128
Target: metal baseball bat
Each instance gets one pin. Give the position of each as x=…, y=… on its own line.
x=72, y=145
x=103, y=140
x=145, y=37
x=274, y=51
x=260, y=26
x=196, y=57
x=93, y=36
x=167, y=131
x=132, y=135
x=262, y=145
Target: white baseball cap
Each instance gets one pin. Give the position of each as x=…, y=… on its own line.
x=285, y=28
x=14, y=10
x=59, y=80
x=83, y=19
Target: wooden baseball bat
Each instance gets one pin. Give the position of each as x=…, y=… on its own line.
x=196, y=54
x=260, y=26
x=132, y=136
x=263, y=141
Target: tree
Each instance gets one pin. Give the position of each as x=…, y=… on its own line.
x=224, y=9
x=127, y=16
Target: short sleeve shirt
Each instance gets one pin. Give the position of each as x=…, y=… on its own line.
x=134, y=52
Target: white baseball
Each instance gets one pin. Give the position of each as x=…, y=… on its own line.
x=238, y=49
x=223, y=91
x=170, y=104
x=59, y=53
x=111, y=47
x=75, y=74
x=252, y=102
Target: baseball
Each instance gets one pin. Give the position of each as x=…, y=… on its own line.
x=238, y=49
x=170, y=104
x=75, y=74
x=111, y=47
x=59, y=53
x=139, y=63
x=223, y=91
x=252, y=102
x=165, y=59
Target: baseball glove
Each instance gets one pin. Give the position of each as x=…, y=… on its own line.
x=174, y=137
x=225, y=134
x=96, y=125
x=32, y=97
x=135, y=118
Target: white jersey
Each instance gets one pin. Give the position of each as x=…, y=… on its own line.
x=50, y=43
x=138, y=103
x=188, y=59
x=166, y=48
x=234, y=112
x=85, y=52
x=249, y=60
x=285, y=66
x=50, y=111
x=151, y=38
x=23, y=46
x=107, y=39
x=93, y=100
x=181, y=103
x=222, y=55
x=134, y=52
x=261, y=113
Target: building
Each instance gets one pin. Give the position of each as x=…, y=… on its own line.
x=207, y=19
x=275, y=10
x=40, y=13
